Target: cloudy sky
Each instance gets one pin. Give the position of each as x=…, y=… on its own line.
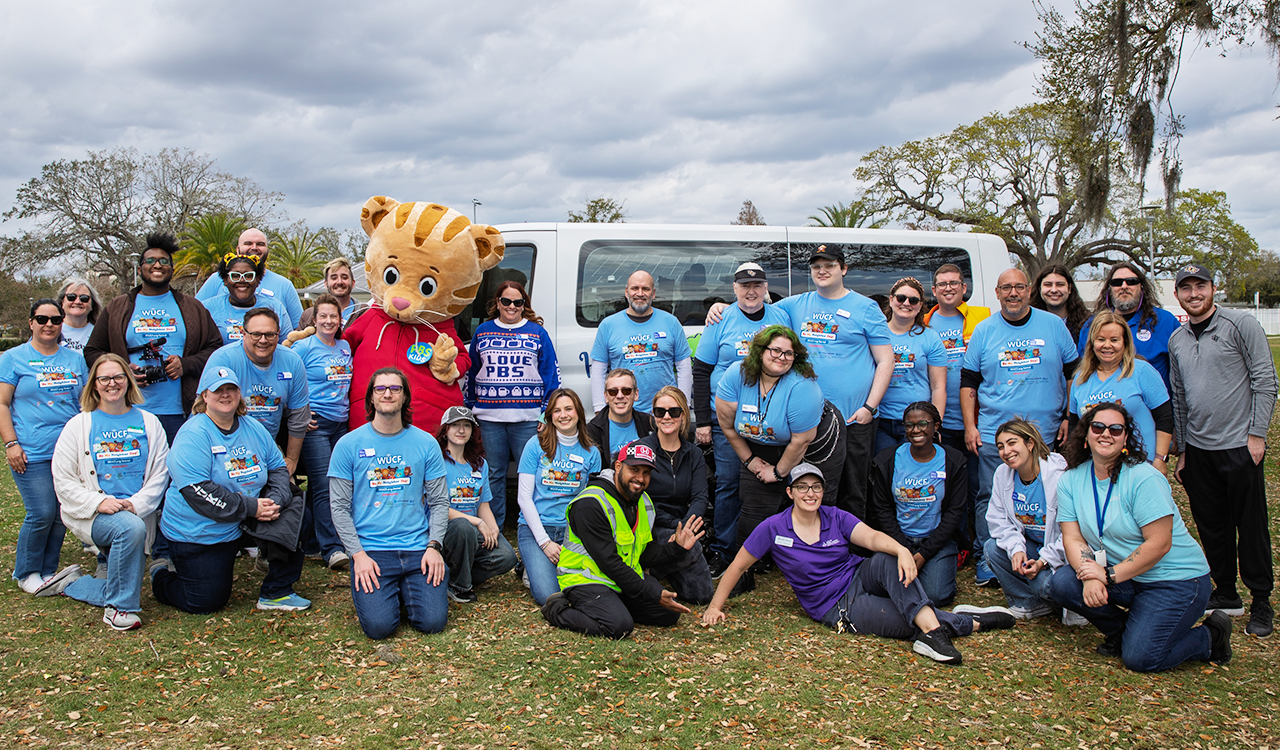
x=682, y=109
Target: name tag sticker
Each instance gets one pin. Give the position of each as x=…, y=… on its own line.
x=939, y=475
x=284, y=376
x=267, y=292
x=783, y=541
x=661, y=334
x=477, y=475
x=574, y=457
x=842, y=313
x=367, y=452
x=750, y=408
x=218, y=449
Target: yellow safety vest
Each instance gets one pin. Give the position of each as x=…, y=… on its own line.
x=576, y=566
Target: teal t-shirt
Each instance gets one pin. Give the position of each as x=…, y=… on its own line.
x=328, y=376
x=267, y=391
x=46, y=393
x=156, y=318
x=650, y=349
x=950, y=329
x=838, y=334
x=620, y=435
x=913, y=355
x=557, y=481
x=1030, y=508
x=468, y=487
x=726, y=342
x=918, y=490
x=119, y=446
x=794, y=404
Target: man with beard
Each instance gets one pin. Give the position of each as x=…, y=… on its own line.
x=607, y=547
x=649, y=342
x=1127, y=291
x=339, y=282
x=254, y=242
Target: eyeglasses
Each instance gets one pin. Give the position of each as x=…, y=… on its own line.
x=829, y=265
x=947, y=284
x=385, y=388
x=779, y=353
x=155, y=261
x=45, y=320
x=675, y=412
x=236, y=276
x=1097, y=428
x=806, y=489
x=923, y=424
x=1013, y=288
x=259, y=336
x=510, y=302
x=81, y=297
x=109, y=379
x=616, y=391
x=1127, y=281
x=905, y=300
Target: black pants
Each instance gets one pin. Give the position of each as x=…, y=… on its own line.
x=596, y=609
x=1228, y=495
x=860, y=440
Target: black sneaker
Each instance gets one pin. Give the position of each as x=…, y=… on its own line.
x=1219, y=625
x=936, y=645
x=746, y=583
x=1229, y=603
x=762, y=567
x=988, y=618
x=718, y=566
x=1261, y=619
x=1111, y=645
x=464, y=597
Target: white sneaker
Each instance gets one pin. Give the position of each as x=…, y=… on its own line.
x=54, y=585
x=1073, y=619
x=338, y=561
x=1024, y=613
x=120, y=620
x=32, y=583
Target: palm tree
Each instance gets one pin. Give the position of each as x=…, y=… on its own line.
x=856, y=214
x=205, y=239
x=299, y=257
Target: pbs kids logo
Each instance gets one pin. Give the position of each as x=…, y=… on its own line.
x=419, y=353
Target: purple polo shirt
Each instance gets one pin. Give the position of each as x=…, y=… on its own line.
x=819, y=573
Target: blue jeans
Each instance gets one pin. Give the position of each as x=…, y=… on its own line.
x=318, y=533
x=955, y=439
x=470, y=562
x=402, y=584
x=41, y=534
x=503, y=443
x=203, y=581
x=1021, y=591
x=727, y=502
x=988, y=461
x=889, y=434
x=1159, y=630
x=543, y=579
x=171, y=424
x=121, y=536
x=938, y=574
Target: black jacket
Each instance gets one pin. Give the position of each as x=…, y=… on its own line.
x=678, y=485
x=883, y=511
x=598, y=429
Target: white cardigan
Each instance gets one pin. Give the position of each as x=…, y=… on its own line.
x=75, y=479
x=1006, y=529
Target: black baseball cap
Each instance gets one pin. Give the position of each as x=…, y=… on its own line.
x=824, y=253
x=1193, y=271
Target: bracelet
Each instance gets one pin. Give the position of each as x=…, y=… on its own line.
x=10, y=444
x=1164, y=458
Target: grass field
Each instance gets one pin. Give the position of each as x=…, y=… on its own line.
x=500, y=677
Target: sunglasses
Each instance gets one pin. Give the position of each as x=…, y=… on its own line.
x=81, y=297
x=1130, y=281
x=385, y=388
x=675, y=412
x=1097, y=428
x=45, y=320
x=905, y=300
x=236, y=276
x=510, y=302
x=615, y=391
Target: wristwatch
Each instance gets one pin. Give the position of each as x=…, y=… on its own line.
x=870, y=408
x=437, y=546
x=1111, y=574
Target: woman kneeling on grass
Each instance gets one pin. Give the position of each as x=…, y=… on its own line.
x=810, y=544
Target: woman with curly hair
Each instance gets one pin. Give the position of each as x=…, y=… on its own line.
x=919, y=362
x=242, y=274
x=1139, y=576
x=1055, y=291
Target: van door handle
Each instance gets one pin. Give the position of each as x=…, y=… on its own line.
x=586, y=362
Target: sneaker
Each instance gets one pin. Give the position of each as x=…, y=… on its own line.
x=746, y=583
x=1219, y=625
x=718, y=566
x=1073, y=619
x=54, y=585
x=120, y=620
x=158, y=564
x=962, y=558
x=989, y=618
x=1261, y=618
x=100, y=572
x=1229, y=603
x=32, y=583
x=936, y=645
x=463, y=597
x=554, y=604
x=762, y=567
x=261, y=565
x=1019, y=613
x=338, y=561
x=290, y=603
x=982, y=574
x=1110, y=646
x=524, y=578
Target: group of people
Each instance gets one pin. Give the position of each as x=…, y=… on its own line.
x=821, y=411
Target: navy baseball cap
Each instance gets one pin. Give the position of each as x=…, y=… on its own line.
x=1193, y=271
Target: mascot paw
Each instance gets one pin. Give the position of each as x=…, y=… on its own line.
x=442, y=356
x=296, y=336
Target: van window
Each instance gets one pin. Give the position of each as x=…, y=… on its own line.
x=872, y=268
x=517, y=265
x=691, y=275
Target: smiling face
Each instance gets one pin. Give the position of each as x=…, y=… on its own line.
x=338, y=281
x=388, y=402
x=920, y=427
x=778, y=357
x=1196, y=298
x=1054, y=290
x=632, y=481
x=261, y=336
x=564, y=417
x=242, y=282
x=75, y=308
x=1108, y=345
x=904, y=312
x=1106, y=447
x=667, y=423
x=827, y=274
x=512, y=309
x=252, y=242
x=328, y=319
x=111, y=383
x=806, y=493
x=223, y=402
x=621, y=394
x=1013, y=292
x=155, y=268
x=640, y=293
x=751, y=294
x=949, y=289
x=50, y=333
x=1127, y=296
x=1014, y=451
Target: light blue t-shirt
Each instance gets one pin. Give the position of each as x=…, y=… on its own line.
x=1021, y=369
x=272, y=285
x=794, y=404
x=726, y=342
x=46, y=393
x=1030, y=509
x=1141, y=497
x=1139, y=393
x=328, y=376
x=838, y=334
x=119, y=446
x=918, y=490
x=387, y=473
x=556, y=482
x=201, y=452
x=76, y=338
x=157, y=318
x=913, y=355
x=267, y=391
x=230, y=319
x=950, y=330
x=650, y=349
x=468, y=487
x=620, y=435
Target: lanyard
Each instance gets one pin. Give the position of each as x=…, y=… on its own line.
x=1101, y=513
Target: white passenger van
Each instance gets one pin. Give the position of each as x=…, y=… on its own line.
x=575, y=273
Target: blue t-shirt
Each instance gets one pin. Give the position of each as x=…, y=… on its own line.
x=76, y=338
x=1030, y=509
x=1152, y=344
x=794, y=404
x=1021, y=369
x=119, y=446
x=1139, y=394
x=230, y=319
x=918, y=490
x=267, y=391
x=950, y=330
x=468, y=487
x=838, y=334
x=46, y=393
x=556, y=482
x=620, y=435
x=913, y=355
x=157, y=318
x=819, y=573
x=201, y=452
x=387, y=473
x=650, y=349
x=272, y=285
x=1141, y=497
x=328, y=376
x=726, y=342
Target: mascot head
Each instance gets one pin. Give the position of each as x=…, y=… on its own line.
x=425, y=261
